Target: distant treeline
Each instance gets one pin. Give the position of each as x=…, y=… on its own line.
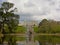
x=49, y=26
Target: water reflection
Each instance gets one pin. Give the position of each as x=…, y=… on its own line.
x=9, y=40
x=48, y=40
x=39, y=40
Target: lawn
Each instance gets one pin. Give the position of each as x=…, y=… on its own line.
x=20, y=29
x=35, y=29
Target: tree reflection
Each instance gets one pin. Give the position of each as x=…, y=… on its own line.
x=48, y=40
x=12, y=40
x=8, y=22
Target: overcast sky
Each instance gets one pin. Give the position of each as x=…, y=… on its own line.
x=37, y=9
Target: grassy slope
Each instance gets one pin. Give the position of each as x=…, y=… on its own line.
x=20, y=29
x=35, y=29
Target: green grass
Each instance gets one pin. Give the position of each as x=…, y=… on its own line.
x=35, y=29
x=20, y=29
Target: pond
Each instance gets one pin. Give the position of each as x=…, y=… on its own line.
x=38, y=40
x=48, y=39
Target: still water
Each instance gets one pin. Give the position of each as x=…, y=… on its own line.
x=48, y=40
x=38, y=40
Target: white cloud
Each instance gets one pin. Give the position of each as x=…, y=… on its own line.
x=38, y=9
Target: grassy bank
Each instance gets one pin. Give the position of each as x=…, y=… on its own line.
x=20, y=29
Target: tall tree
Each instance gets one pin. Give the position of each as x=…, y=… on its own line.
x=7, y=17
x=44, y=26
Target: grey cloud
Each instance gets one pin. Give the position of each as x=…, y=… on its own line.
x=37, y=8
x=52, y=3
x=25, y=16
x=29, y=4
x=42, y=13
x=58, y=9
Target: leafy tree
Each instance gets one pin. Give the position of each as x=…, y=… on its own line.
x=49, y=26
x=43, y=26
x=55, y=26
x=8, y=18
x=12, y=40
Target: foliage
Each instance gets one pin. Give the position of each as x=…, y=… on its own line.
x=48, y=38
x=49, y=26
x=8, y=20
x=44, y=26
